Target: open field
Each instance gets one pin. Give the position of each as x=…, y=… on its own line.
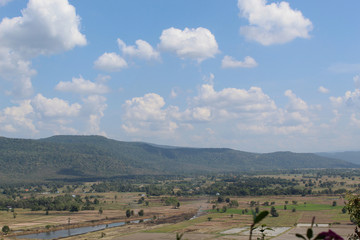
x=212, y=221
x=201, y=227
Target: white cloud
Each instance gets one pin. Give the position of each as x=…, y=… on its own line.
x=346, y=108
x=229, y=112
x=252, y=100
x=18, y=118
x=145, y=108
x=93, y=108
x=45, y=27
x=110, y=62
x=142, y=50
x=148, y=114
x=354, y=120
x=295, y=104
x=323, y=89
x=350, y=100
x=15, y=69
x=201, y=114
x=54, y=107
x=173, y=93
x=230, y=62
x=198, y=44
x=82, y=86
x=274, y=23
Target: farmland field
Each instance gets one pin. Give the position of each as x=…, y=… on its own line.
x=198, y=216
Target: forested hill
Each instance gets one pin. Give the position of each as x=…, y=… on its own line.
x=95, y=156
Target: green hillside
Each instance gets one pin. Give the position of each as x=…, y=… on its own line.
x=95, y=156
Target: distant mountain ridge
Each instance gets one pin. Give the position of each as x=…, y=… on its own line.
x=349, y=156
x=96, y=156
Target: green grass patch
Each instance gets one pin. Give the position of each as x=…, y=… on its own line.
x=308, y=207
x=231, y=211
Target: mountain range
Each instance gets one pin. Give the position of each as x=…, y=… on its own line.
x=64, y=156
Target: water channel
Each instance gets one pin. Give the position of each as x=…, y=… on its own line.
x=81, y=230
x=74, y=231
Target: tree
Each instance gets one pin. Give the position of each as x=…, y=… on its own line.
x=172, y=201
x=273, y=212
x=334, y=204
x=343, y=210
x=224, y=208
x=74, y=208
x=100, y=210
x=234, y=203
x=141, y=213
x=128, y=213
x=5, y=229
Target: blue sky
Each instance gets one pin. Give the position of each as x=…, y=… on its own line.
x=252, y=75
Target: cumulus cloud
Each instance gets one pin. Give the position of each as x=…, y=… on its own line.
x=274, y=23
x=93, y=108
x=295, y=104
x=323, y=89
x=197, y=44
x=142, y=50
x=45, y=27
x=54, y=107
x=18, y=118
x=15, y=69
x=54, y=116
x=230, y=62
x=237, y=110
x=147, y=113
x=346, y=108
x=145, y=108
x=82, y=86
x=351, y=99
x=252, y=100
x=110, y=62
x=201, y=114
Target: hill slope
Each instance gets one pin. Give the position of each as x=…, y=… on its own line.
x=95, y=156
x=349, y=156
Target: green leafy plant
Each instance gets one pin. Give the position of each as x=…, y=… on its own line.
x=262, y=230
x=179, y=236
x=257, y=219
